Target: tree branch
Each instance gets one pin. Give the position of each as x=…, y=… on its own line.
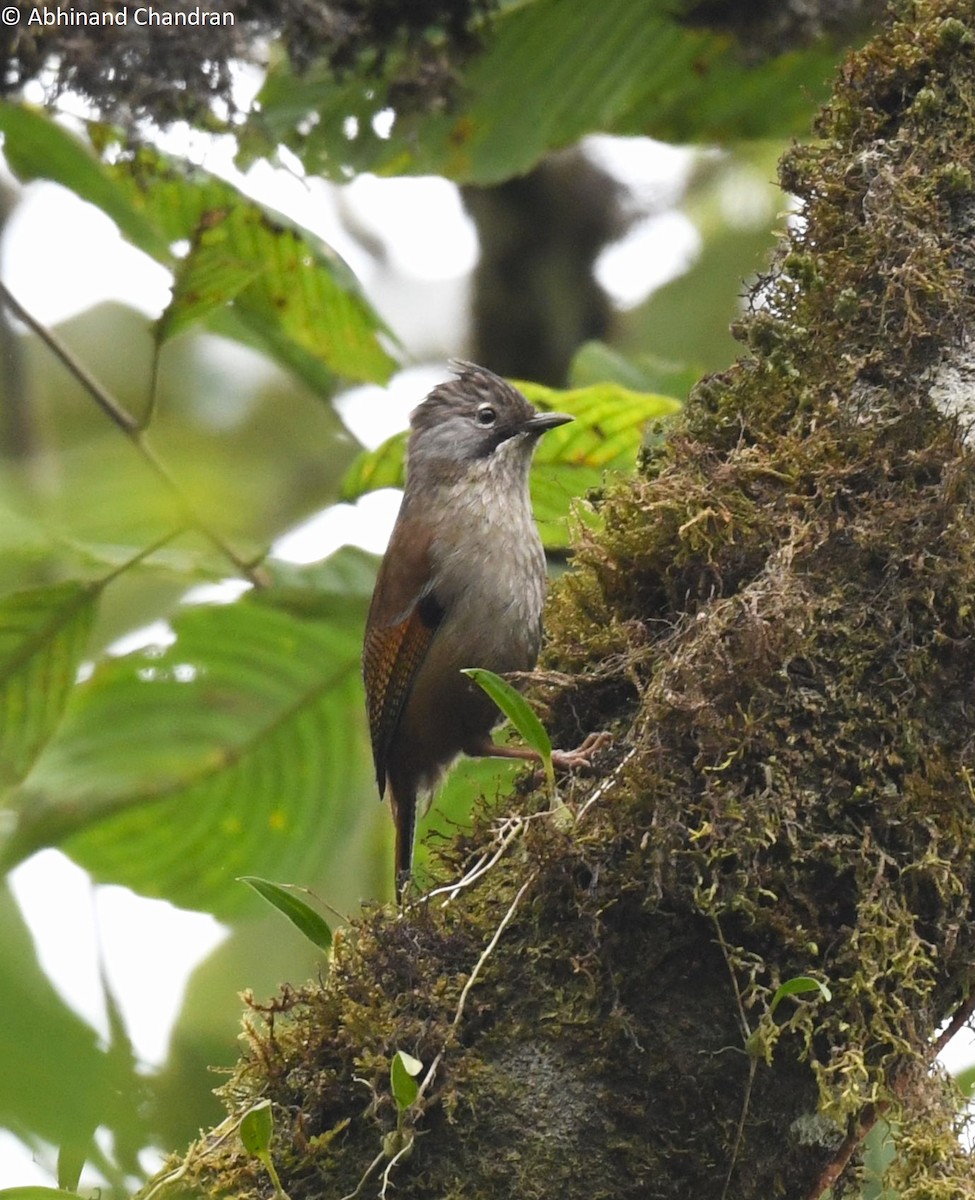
x=134, y=431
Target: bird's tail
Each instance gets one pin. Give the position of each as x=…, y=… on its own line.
x=403, y=801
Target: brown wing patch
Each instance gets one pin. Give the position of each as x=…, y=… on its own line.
x=403, y=618
x=391, y=658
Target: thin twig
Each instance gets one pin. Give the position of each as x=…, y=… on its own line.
x=153, y=384
x=726, y=954
x=140, y=556
x=392, y=1163
x=465, y=992
x=488, y=949
x=840, y=1158
x=133, y=430
x=365, y=1178
x=961, y=1018
x=752, y=1064
x=508, y=831
x=740, y=1130
x=513, y=828
x=600, y=791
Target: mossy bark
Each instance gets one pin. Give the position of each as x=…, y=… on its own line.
x=777, y=622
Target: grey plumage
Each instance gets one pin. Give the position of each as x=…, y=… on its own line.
x=462, y=584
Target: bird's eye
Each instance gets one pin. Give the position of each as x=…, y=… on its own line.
x=485, y=415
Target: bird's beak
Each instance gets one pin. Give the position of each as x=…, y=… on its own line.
x=543, y=421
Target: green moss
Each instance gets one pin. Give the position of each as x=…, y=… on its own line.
x=775, y=619
x=794, y=571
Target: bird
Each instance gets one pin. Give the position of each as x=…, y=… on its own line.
x=462, y=584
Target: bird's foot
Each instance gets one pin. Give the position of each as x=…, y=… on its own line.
x=582, y=755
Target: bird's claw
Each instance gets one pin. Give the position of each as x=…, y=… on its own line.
x=582, y=755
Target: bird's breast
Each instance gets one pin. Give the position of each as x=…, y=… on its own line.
x=489, y=574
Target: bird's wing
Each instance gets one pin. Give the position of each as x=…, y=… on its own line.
x=403, y=618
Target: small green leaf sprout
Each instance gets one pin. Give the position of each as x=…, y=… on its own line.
x=797, y=986
x=256, y=1131
x=302, y=916
x=403, y=1072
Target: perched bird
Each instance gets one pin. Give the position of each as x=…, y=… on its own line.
x=461, y=585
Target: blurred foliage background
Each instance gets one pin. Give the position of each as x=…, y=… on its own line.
x=229, y=740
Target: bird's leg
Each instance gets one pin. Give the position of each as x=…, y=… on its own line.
x=564, y=760
x=581, y=756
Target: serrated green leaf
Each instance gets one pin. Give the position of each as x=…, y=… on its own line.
x=301, y=915
x=375, y=469
x=554, y=71
x=297, y=298
x=293, y=296
x=257, y=1129
x=36, y=147
x=402, y=1079
x=230, y=752
x=550, y=72
x=293, y=293
x=608, y=428
x=206, y=279
x=43, y=633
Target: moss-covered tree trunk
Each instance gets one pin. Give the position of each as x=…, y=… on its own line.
x=778, y=624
